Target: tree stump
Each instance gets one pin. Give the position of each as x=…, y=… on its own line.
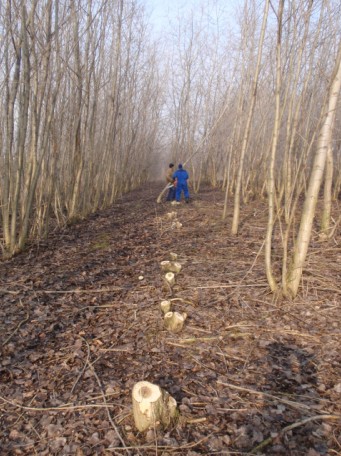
x=152, y=406
x=165, y=306
x=170, y=278
x=174, y=321
x=171, y=266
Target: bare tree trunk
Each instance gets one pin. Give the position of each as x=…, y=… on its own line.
x=324, y=143
x=327, y=194
x=235, y=134
x=271, y=179
x=37, y=126
x=12, y=86
x=22, y=129
x=78, y=158
x=235, y=222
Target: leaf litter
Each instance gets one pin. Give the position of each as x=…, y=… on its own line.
x=81, y=323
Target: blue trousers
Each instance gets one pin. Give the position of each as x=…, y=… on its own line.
x=171, y=194
x=181, y=187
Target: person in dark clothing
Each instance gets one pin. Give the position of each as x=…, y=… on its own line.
x=181, y=176
x=170, y=180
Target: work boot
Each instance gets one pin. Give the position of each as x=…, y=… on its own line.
x=187, y=200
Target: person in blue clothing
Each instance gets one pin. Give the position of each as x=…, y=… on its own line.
x=181, y=176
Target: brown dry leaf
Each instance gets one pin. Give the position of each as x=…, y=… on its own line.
x=53, y=430
x=57, y=444
x=312, y=452
x=112, y=438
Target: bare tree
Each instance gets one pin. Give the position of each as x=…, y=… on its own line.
x=79, y=107
x=275, y=134
x=247, y=129
x=323, y=145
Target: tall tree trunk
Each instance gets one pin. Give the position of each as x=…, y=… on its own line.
x=271, y=179
x=78, y=152
x=22, y=129
x=12, y=87
x=327, y=194
x=324, y=143
x=235, y=221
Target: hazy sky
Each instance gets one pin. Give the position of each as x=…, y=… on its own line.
x=162, y=11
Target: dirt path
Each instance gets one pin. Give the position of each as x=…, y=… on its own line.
x=78, y=327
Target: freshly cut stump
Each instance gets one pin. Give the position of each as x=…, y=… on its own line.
x=176, y=225
x=165, y=266
x=174, y=321
x=170, y=278
x=152, y=406
x=171, y=266
x=165, y=306
x=171, y=215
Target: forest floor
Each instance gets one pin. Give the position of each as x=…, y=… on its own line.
x=252, y=373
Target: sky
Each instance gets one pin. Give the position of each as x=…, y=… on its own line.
x=162, y=11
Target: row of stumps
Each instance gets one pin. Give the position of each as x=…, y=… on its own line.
x=152, y=406
x=173, y=321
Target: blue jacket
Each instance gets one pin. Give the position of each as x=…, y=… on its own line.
x=181, y=175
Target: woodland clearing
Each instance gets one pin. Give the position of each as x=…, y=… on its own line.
x=81, y=323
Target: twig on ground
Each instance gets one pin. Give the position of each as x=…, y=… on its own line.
x=83, y=370
x=105, y=402
x=269, y=440
x=290, y=331
x=185, y=301
x=17, y=327
x=196, y=420
x=233, y=285
x=164, y=447
x=253, y=264
x=4, y=291
x=293, y=404
x=100, y=290
x=193, y=340
x=58, y=408
x=194, y=328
